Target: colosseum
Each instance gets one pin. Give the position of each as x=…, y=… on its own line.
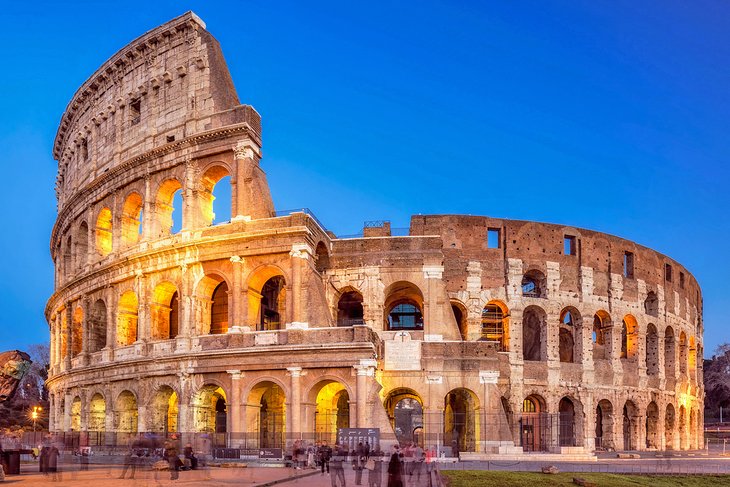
x=488, y=335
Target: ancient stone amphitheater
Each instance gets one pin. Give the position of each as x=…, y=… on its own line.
x=490, y=335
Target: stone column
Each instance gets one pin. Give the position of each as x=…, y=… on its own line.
x=299, y=252
x=148, y=209
x=67, y=333
x=111, y=324
x=295, y=401
x=431, y=273
x=187, y=317
x=191, y=218
x=251, y=197
x=491, y=426
x=143, y=308
x=84, y=410
x=51, y=412
x=235, y=409
x=141, y=417
x=237, y=319
x=365, y=369
x=67, y=401
x=52, y=346
x=85, y=306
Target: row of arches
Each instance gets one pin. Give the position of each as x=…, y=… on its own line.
x=125, y=225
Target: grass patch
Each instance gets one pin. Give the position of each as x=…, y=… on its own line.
x=481, y=478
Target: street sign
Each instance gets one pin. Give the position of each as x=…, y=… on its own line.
x=270, y=453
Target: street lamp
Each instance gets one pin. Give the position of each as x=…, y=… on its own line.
x=34, y=415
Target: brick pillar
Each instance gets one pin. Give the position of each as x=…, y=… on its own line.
x=234, y=404
x=295, y=401
x=299, y=253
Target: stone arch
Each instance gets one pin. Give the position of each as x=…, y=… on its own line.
x=163, y=410
x=670, y=352
x=332, y=408
x=652, y=350
x=458, y=309
x=534, y=333
x=211, y=178
x=683, y=354
x=212, y=294
x=403, y=307
x=97, y=326
x=605, y=438
x=76, y=414
x=68, y=258
x=534, y=284
x=126, y=412
x=461, y=425
x=165, y=311
x=77, y=331
x=97, y=413
x=266, y=413
x=103, y=232
x=570, y=336
x=267, y=298
x=321, y=257
x=629, y=337
x=210, y=413
x=602, y=335
x=127, y=307
x=495, y=324
x=82, y=245
x=567, y=422
x=653, y=441
x=534, y=424
x=132, y=219
x=651, y=304
x=631, y=425
x=168, y=217
x=405, y=411
x=349, y=308
x=692, y=356
x=669, y=426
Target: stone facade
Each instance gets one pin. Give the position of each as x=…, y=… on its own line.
x=492, y=334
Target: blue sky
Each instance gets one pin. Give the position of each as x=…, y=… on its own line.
x=608, y=115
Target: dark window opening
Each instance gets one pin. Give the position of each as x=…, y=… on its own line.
x=405, y=316
x=628, y=265
x=681, y=280
x=174, y=315
x=170, y=138
x=668, y=272
x=272, y=303
x=219, y=310
x=135, y=111
x=569, y=245
x=349, y=309
x=85, y=149
x=533, y=285
x=493, y=238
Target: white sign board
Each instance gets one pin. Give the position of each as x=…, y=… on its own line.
x=402, y=355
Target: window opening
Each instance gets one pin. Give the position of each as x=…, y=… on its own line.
x=135, y=110
x=628, y=265
x=668, y=272
x=405, y=316
x=569, y=245
x=493, y=238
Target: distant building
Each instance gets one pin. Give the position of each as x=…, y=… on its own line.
x=501, y=335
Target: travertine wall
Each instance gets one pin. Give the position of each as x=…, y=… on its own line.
x=153, y=330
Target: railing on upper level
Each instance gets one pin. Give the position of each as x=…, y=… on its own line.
x=306, y=211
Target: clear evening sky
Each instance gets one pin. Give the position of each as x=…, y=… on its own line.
x=607, y=115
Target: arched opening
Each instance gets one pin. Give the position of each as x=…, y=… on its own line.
x=82, y=246
x=164, y=311
x=683, y=433
x=460, y=425
x=332, y=409
x=97, y=413
x=604, y=425
x=683, y=354
x=692, y=358
x=652, y=350
x=321, y=258
x=132, y=219
x=670, y=353
x=652, y=426
x=669, y=426
x=349, y=309
x=169, y=207
x=631, y=426
x=68, y=258
x=77, y=332
x=125, y=413
x=216, y=198
x=534, y=284
x=651, y=304
x=127, y=319
x=273, y=304
x=405, y=411
x=534, y=425
x=267, y=414
x=164, y=414
x=104, y=232
x=403, y=307
x=460, y=314
x=566, y=419
x=629, y=335
x=602, y=335
x=568, y=329
x=495, y=324
x=534, y=325
x=97, y=326
x=210, y=414
x=76, y=414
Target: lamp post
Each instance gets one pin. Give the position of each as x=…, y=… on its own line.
x=34, y=415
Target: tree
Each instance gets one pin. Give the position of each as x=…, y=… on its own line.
x=717, y=381
x=31, y=392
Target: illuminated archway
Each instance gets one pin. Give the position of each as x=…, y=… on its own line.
x=164, y=411
x=629, y=337
x=97, y=413
x=602, y=335
x=164, y=311
x=77, y=332
x=97, y=326
x=210, y=414
x=405, y=411
x=266, y=414
x=127, y=319
x=495, y=324
x=332, y=409
x=683, y=354
x=125, y=412
x=213, y=295
x=403, y=307
x=103, y=232
x=76, y=414
x=169, y=214
x=132, y=219
x=267, y=298
x=215, y=199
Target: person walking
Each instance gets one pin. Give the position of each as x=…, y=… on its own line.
x=395, y=468
x=375, y=474
x=130, y=462
x=358, y=462
x=339, y=456
x=325, y=454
